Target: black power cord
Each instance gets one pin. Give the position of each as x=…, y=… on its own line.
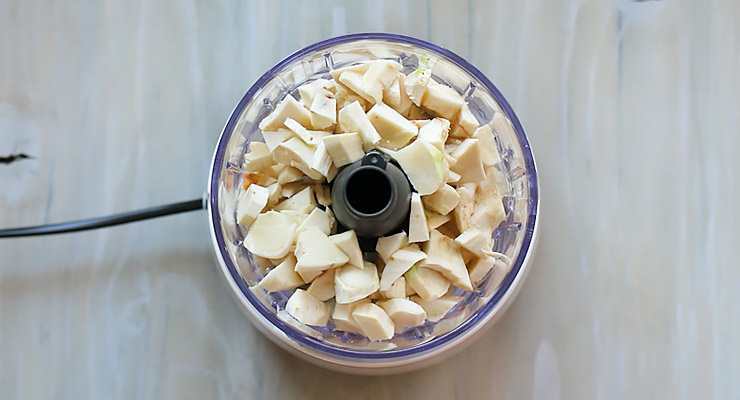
x=101, y=222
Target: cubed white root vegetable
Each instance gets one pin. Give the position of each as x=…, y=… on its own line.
x=416, y=84
x=424, y=165
x=274, y=171
x=333, y=171
x=266, y=180
x=475, y=241
x=352, y=118
x=282, y=277
x=251, y=202
x=427, y=283
x=373, y=321
x=352, y=284
x=344, y=148
x=323, y=110
x=287, y=108
x=479, y=269
x=299, y=153
x=488, y=151
x=359, y=68
x=342, y=316
x=296, y=216
x=316, y=253
x=453, y=177
x=438, y=308
x=258, y=157
x=397, y=289
x=322, y=287
x=389, y=244
x=394, y=129
x=396, y=97
x=273, y=139
x=275, y=193
x=468, y=161
x=500, y=271
x=418, y=229
x=379, y=75
x=321, y=160
x=400, y=261
x=290, y=189
x=443, y=200
x=346, y=97
x=302, y=201
x=271, y=235
x=404, y=313
x=289, y=174
x=311, y=138
x=435, y=132
x=323, y=194
x=319, y=219
x=444, y=256
x=466, y=206
x=307, y=309
x=347, y=242
x=435, y=220
x=489, y=209
x=332, y=220
x=442, y=101
x=353, y=81
x=409, y=290
x=467, y=121
x=309, y=90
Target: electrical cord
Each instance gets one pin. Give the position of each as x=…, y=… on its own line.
x=101, y=222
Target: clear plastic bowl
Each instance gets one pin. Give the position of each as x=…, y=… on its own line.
x=415, y=347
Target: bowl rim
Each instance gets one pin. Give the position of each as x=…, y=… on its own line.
x=313, y=346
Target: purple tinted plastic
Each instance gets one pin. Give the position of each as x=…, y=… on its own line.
x=483, y=310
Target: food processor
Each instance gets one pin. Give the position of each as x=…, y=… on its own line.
x=355, y=207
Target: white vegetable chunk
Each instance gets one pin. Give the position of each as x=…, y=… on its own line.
x=438, y=308
x=273, y=139
x=442, y=101
x=479, y=268
x=394, y=129
x=311, y=138
x=397, y=289
x=404, y=313
x=416, y=84
x=309, y=90
x=475, y=241
x=258, y=157
x=435, y=220
x=489, y=153
x=435, y=132
x=396, y=97
x=289, y=174
x=469, y=163
x=303, y=202
x=418, y=229
x=300, y=155
x=373, y=321
x=347, y=242
x=352, y=118
x=353, y=81
x=307, y=309
x=323, y=110
x=318, y=219
x=427, y=283
x=352, y=284
x=322, y=287
x=282, y=277
x=424, y=165
x=466, y=206
x=344, y=148
x=316, y=253
x=444, y=256
x=287, y=108
x=321, y=161
x=271, y=235
x=251, y=202
x=443, y=200
x=379, y=75
x=400, y=261
x=342, y=316
x=389, y=244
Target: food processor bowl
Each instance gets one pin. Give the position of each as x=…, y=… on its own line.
x=515, y=237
